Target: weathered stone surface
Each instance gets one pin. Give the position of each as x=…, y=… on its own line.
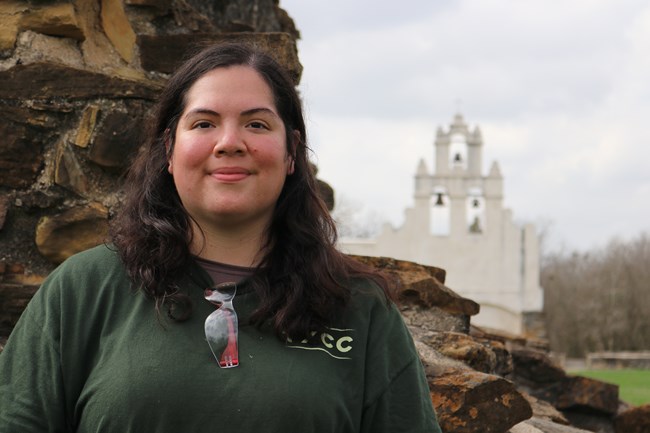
x=49, y=80
x=10, y=14
x=117, y=138
x=77, y=229
x=421, y=285
x=68, y=171
x=535, y=368
x=421, y=319
x=159, y=4
x=464, y=348
x=589, y=394
x=591, y=421
x=468, y=401
x=634, y=420
x=24, y=132
x=86, y=126
x=524, y=427
x=165, y=52
x=545, y=426
x=34, y=47
x=4, y=208
x=118, y=29
x=55, y=20
x=543, y=409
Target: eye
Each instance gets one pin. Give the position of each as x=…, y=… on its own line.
x=202, y=125
x=257, y=125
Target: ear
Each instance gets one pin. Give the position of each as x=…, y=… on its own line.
x=295, y=142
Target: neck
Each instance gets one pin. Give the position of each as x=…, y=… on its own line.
x=229, y=246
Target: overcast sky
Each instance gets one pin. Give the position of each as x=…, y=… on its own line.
x=559, y=89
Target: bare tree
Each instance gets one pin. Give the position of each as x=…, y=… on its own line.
x=599, y=300
x=355, y=220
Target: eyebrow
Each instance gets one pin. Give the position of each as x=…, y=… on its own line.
x=244, y=113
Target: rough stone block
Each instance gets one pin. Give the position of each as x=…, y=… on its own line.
x=68, y=171
x=541, y=425
x=468, y=401
x=164, y=53
x=77, y=229
x=10, y=14
x=118, y=29
x=4, y=208
x=634, y=420
x=589, y=394
x=464, y=348
x=421, y=285
x=535, y=368
x=86, y=126
x=118, y=137
x=50, y=80
x=23, y=133
x=55, y=20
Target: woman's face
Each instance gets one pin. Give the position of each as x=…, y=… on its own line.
x=230, y=157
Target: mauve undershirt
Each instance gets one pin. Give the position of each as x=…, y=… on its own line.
x=224, y=273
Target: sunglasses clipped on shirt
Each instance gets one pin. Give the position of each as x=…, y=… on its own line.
x=221, y=328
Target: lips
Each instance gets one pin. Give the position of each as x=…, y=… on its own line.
x=230, y=174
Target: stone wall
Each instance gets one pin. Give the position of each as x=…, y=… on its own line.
x=77, y=79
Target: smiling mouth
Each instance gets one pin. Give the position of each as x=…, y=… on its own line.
x=230, y=174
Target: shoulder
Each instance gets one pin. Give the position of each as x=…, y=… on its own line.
x=98, y=263
x=104, y=257
x=84, y=274
x=367, y=294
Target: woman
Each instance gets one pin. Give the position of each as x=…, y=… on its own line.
x=222, y=238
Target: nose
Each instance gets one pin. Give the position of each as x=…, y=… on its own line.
x=229, y=142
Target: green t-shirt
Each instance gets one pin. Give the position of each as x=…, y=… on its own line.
x=89, y=354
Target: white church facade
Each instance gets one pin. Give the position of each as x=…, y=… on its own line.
x=458, y=223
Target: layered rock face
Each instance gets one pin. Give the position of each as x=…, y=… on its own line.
x=77, y=79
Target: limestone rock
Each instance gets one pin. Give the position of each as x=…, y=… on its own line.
x=535, y=425
x=589, y=420
x=117, y=136
x=55, y=20
x=10, y=14
x=77, y=229
x=586, y=393
x=421, y=285
x=163, y=53
x=24, y=132
x=117, y=28
x=464, y=348
x=421, y=320
x=468, y=401
x=4, y=208
x=50, y=80
x=86, y=126
x=69, y=173
x=34, y=47
x=543, y=409
x=534, y=368
x=634, y=420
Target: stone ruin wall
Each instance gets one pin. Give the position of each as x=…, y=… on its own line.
x=77, y=79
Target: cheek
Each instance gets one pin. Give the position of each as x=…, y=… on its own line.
x=189, y=155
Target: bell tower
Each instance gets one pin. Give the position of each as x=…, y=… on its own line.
x=458, y=223
x=459, y=196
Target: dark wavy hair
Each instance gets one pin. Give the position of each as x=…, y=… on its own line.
x=302, y=280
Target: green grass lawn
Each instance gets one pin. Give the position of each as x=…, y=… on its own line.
x=634, y=385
